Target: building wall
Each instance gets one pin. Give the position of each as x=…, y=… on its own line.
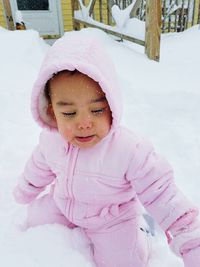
x=197, y=10
x=96, y=14
x=67, y=14
x=2, y=17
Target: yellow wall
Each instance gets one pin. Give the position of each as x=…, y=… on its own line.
x=2, y=17
x=197, y=3
x=67, y=14
x=104, y=11
x=97, y=10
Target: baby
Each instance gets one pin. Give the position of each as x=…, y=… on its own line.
x=101, y=173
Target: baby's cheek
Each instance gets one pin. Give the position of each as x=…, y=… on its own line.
x=67, y=133
x=105, y=126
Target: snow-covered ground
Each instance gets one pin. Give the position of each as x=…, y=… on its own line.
x=161, y=101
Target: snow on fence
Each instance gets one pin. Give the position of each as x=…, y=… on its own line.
x=158, y=15
x=117, y=19
x=177, y=15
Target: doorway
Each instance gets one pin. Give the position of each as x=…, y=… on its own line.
x=43, y=16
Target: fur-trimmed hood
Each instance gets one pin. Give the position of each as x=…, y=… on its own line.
x=88, y=56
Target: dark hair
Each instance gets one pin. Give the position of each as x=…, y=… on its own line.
x=47, y=89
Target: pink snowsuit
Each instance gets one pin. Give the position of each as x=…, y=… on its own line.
x=102, y=189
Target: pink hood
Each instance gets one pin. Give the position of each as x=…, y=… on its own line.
x=87, y=55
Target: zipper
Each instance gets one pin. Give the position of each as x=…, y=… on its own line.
x=68, y=183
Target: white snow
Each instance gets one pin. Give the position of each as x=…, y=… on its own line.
x=123, y=23
x=161, y=101
x=84, y=9
x=121, y=16
x=18, y=16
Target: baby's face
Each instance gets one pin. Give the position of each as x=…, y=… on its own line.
x=80, y=109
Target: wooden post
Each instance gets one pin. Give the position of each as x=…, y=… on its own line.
x=74, y=4
x=110, y=3
x=8, y=13
x=182, y=12
x=100, y=11
x=153, y=29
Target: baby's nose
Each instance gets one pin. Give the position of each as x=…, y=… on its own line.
x=85, y=122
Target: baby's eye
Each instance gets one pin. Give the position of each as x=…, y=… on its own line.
x=98, y=111
x=69, y=114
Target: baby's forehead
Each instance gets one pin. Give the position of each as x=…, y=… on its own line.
x=74, y=83
x=73, y=89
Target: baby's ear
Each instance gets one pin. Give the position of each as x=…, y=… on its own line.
x=50, y=112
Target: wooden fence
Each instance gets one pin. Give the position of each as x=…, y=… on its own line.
x=152, y=24
x=9, y=18
x=159, y=16
x=177, y=15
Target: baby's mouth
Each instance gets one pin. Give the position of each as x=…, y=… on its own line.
x=84, y=139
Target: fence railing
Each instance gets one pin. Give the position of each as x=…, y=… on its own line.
x=177, y=15
x=81, y=15
x=159, y=16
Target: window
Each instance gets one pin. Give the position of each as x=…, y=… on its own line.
x=33, y=4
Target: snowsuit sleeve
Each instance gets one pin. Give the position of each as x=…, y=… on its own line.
x=152, y=178
x=36, y=176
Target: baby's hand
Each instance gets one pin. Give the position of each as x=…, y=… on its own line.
x=192, y=258
x=21, y=196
